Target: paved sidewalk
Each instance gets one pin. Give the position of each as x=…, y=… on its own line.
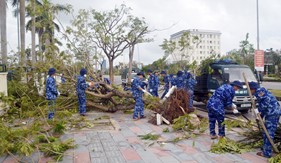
x=120, y=143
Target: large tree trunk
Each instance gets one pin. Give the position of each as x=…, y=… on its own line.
x=111, y=74
x=131, y=56
x=33, y=34
x=22, y=32
x=3, y=27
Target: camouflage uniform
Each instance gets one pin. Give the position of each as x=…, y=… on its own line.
x=270, y=111
x=190, y=83
x=143, y=83
x=180, y=81
x=137, y=94
x=166, y=85
x=152, y=84
x=80, y=88
x=222, y=98
x=51, y=95
x=172, y=80
x=155, y=90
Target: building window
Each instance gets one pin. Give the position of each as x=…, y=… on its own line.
x=210, y=36
x=210, y=41
x=200, y=47
x=200, y=52
x=218, y=42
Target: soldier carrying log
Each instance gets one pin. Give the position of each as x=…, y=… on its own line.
x=269, y=109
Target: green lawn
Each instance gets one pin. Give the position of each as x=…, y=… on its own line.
x=275, y=92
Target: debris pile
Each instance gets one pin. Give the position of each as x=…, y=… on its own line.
x=173, y=107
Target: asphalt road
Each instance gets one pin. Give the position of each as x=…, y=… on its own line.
x=271, y=85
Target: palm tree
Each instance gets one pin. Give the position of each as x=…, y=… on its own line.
x=3, y=26
x=45, y=23
x=33, y=32
x=22, y=33
x=22, y=28
x=44, y=20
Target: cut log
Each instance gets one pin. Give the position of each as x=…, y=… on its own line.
x=159, y=119
x=166, y=121
x=169, y=93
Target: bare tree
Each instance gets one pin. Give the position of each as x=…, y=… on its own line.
x=107, y=30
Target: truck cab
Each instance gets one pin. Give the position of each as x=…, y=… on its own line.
x=222, y=72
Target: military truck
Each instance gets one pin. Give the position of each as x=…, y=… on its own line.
x=219, y=73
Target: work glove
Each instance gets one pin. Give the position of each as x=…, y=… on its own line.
x=150, y=90
x=234, y=106
x=58, y=93
x=235, y=111
x=91, y=84
x=144, y=91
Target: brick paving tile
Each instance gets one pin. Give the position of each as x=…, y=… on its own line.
x=222, y=159
x=82, y=157
x=156, y=129
x=159, y=151
x=192, y=161
x=136, y=130
x=116, y=160
x=235, y=157
x=127, y=132
x=133, y=139
x=118, y=137
x=130, y=155
x=189, y=150
x=169, y=159
x=45, y=160
x=99, y=160
x=182, y=156
x=10, y=160
x=253, y=158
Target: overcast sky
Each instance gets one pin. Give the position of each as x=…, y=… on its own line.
x=233, y=18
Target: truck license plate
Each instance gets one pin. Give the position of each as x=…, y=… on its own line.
x=245, y=105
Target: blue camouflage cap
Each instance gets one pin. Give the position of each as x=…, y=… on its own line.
x=140, y=73
x=253, y=85
x=52, y=71
x=149, y=70
x=163, y=72
x=237, y=83
x=179, y=73
x=83, y=71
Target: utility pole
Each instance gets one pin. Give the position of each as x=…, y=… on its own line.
x=258, y=37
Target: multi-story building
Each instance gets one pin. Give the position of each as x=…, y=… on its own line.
x=209, y=43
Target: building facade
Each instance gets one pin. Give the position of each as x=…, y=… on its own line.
x=208, y=43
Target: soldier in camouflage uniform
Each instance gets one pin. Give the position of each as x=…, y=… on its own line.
x=81, y=88
x=51, y=92
x=157, y=83
x=190, y=84
x=172, y=80
x=166, y=83
x=269, y=109
x=180, y=80
x=137, y=92
x=221, y=99
x=151, y=83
